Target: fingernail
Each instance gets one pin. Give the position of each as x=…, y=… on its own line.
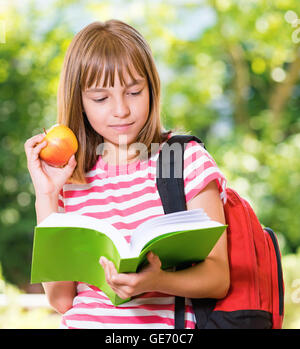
x=102, y=260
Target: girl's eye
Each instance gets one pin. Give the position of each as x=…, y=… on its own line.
x=103, y=99
x=100, y=100
x=135, y=93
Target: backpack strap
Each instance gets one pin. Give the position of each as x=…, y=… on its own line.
x=169, y=178
x=170, y=186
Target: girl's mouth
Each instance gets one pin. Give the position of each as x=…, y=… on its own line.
x=121, y=127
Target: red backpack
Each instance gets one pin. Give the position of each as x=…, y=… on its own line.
x=256, y=294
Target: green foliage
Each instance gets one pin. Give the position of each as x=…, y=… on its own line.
x=30, y=72
x=291, y=272
x=15, y=316
x=267, y=175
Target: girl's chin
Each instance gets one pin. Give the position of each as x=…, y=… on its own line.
x=121, y=139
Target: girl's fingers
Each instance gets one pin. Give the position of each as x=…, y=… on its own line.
x=153, y=260
x=69, y=168
x=34, y=154
x=33, y=146
x=31, y=142
x=112, y=271
x=117, y=282
x=39, y=147
x=105, y=264
x=122, y=280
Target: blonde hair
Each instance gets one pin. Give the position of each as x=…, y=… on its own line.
x=103, y=48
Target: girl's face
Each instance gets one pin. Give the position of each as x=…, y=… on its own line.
x=118, y=113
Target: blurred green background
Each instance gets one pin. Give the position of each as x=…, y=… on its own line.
x=230, y=72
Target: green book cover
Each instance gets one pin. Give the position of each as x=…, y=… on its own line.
x=67, y=246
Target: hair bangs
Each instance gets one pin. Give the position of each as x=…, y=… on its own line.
x=107, y=59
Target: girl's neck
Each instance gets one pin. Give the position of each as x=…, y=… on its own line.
x=119, y=156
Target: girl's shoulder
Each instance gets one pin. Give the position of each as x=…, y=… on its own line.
x=198, y=149
x=195, y=148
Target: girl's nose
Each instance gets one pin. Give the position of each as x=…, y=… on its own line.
x=121, y=109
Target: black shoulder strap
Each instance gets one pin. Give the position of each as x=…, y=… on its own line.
x=169, y=173
x=170, y=185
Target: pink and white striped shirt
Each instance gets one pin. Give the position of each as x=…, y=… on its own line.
x=126, y=196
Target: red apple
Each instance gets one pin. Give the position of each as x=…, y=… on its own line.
x=61, y=145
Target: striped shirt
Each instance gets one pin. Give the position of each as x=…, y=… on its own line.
x=126, y=196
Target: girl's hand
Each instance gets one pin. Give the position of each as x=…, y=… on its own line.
x=132, y=284
x=46, y=179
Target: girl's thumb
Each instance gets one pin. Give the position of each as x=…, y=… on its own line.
x=72, y=161
x=71, y=164
x=153, y=258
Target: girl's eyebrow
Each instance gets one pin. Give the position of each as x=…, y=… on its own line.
x=132, y=83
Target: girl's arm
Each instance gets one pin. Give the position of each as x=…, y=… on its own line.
x=208, y=279
x=60, y=294
x=47, y=182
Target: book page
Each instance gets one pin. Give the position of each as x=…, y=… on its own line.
x=179, y=221
x=81, y=221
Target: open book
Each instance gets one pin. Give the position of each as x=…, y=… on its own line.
x=68, y=246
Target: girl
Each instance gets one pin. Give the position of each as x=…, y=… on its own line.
x=109, y=95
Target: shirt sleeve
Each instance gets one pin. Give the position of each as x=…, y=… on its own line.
x=199, y=170
x=61, y=204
